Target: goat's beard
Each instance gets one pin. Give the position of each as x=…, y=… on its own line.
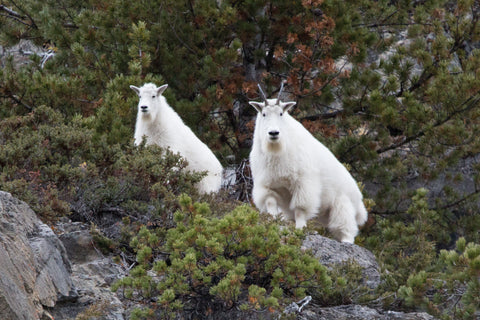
x=146, y=114
x=275, y=146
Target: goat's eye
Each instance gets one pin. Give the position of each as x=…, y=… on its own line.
x=153, y=96
x=281, y=114
x=263, y=114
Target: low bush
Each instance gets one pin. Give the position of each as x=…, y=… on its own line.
x=452, y=289
x=208, y=264
x=58, y=168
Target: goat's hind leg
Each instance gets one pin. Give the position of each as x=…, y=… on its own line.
x=342, y=223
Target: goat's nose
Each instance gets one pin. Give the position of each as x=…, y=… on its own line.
x=274, y=133
x=144, y=108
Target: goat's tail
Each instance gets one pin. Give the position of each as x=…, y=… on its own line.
x=362, y=214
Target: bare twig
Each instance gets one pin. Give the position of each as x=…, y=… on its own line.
x=32, y=23
x=17, y=100
x=11, y=12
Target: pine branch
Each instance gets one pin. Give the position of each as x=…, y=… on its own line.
x=323, y=116
x=11, y=12
x=18, y=101
x=445, y=206
x=467, y=105
x=458, y=201
x=378, y=25
x=18, y=17
x=424, y=77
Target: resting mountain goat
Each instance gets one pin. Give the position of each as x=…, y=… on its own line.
x=162, y=126
x=294, y=174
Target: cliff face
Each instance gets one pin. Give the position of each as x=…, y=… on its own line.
x=34, y=268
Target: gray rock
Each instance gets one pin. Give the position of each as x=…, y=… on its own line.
x=21, y=52
x=52, y=267
x=92, y=275
x=331, y=253
x=356, y=312
x=34, y=268
x=78, y=242
x=92, y=280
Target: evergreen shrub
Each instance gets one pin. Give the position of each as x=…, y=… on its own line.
x=61, y=167
x=452, y=289
x=208, y=264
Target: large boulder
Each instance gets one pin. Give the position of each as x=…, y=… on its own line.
x=332, y=253
x=34, y=268
x=356, y=312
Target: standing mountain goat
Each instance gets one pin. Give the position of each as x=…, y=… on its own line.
x=295, y=174
x=162, y=126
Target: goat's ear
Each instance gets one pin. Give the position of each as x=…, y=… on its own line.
x=286, y=106
x=161, y=89
x=257, y=105
x=136, y=89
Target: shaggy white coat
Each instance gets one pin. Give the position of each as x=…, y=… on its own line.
x=162, y=126
x=295, y=174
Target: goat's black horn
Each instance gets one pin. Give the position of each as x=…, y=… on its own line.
x=261, y=91
x=280, y=93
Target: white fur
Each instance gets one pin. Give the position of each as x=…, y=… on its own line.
x=298, y=176
x=162, y=126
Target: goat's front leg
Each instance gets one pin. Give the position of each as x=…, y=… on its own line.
x=271, y=205
x=300, y=218
x=305, y=204
x=265, y=199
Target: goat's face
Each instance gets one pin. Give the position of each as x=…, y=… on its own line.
x=149, y=95
x=271, y=120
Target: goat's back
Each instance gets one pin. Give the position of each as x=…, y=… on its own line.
x=169, y=131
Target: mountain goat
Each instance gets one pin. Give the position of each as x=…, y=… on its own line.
x=294, y=174
x=162, y=126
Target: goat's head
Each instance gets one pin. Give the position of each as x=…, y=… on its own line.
x=149, y=95
x=271, y=120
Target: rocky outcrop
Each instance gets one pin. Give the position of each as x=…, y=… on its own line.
x=37, y=279
x=92, y=274
x=36, y=275
x=332, y=253
x=355, y=312
x=34, y=268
